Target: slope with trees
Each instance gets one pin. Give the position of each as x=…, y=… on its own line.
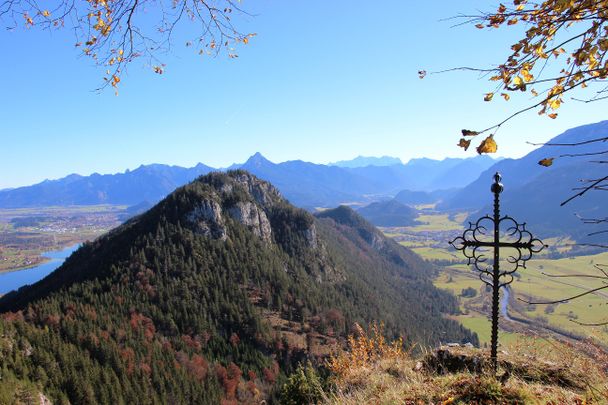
x=213, y=294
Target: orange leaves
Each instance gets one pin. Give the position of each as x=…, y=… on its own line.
x=554, y=103
x=540, y=52
x=364, y=350
x=488, y=145
x=115, y=80
x=562, y=48
x=28, y=20
x=464, y=143
x=518, y=83
x=546, y=162
x=527, y=76
x=468, y=132
x=143, y=30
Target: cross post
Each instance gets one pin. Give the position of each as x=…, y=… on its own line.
x=521, y=245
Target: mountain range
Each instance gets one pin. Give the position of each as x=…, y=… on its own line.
x=362, y=161
x=533, y=193
x=213, y=295
x=305, y=184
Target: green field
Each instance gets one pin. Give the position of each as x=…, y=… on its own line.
x=429, y=240
x=26, y=233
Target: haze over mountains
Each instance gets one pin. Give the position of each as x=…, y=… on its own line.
x=362, y=161
x=305, y=184
x=533, y=193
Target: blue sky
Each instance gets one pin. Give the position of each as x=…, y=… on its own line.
x=322, y=81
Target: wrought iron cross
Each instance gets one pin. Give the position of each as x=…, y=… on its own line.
x=516, y=240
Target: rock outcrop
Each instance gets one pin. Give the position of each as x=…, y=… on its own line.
x=207, y=219
x=253, y=217
x=242, y=197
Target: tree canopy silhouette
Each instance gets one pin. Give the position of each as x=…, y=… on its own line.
x=114, y=33
x=562, y=50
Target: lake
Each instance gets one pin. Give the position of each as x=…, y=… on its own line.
x=13, y=280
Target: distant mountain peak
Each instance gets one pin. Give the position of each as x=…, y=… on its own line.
x=257, y=160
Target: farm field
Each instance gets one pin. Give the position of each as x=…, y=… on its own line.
x=26, y=233
x=541, y=281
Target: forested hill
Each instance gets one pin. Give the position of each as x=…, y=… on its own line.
x=213, y=294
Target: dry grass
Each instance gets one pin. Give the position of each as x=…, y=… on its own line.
x=544, y=373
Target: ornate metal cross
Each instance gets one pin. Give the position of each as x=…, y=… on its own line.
x=517, y=242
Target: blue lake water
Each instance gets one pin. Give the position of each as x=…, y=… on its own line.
x=16, y=279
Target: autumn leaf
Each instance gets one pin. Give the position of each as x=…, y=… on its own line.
x=468, y=132
x=552, y=115
x=464, y=143
x=555, y=103
x=158, y=70
x=488, y=97
x=546, y=162
x=46, y=13
x=115, y=80
x=28, y=19
x=526, y=75
x=505, y=96
x=519, y=84
x=487, y=146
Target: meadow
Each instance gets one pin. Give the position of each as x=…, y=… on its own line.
x=542, y=281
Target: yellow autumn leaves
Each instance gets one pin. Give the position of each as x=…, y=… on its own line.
x=115, y=33
x=563, y=48
x=488, y=145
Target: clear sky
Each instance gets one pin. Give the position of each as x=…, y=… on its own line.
x=322, y=81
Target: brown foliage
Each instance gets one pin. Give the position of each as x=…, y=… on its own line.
x=364, y=349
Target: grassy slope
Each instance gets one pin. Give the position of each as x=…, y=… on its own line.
x=398, y=380
x=540, y=372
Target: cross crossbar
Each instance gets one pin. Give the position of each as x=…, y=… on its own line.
x=518, y=245
x=524, y=242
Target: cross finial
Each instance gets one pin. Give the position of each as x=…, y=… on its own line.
x=497, y=186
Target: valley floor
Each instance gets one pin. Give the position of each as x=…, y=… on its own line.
x=536, y=283
x=26, y=233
